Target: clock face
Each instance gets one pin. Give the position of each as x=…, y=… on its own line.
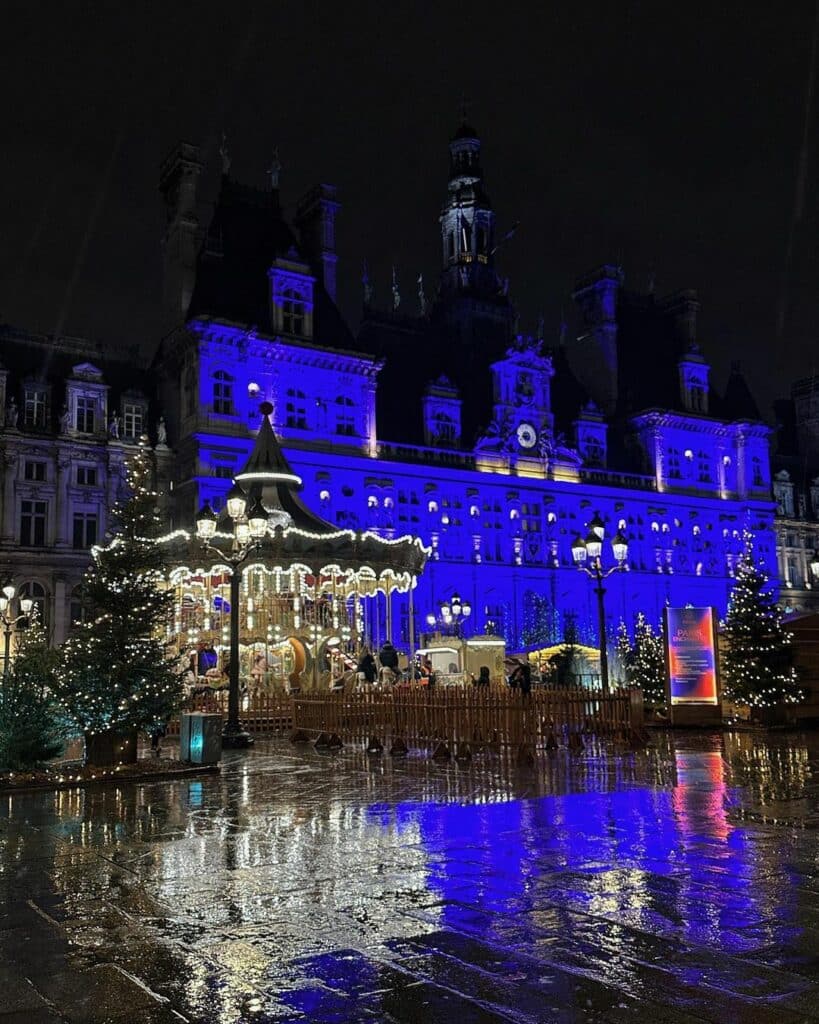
x=527, y=435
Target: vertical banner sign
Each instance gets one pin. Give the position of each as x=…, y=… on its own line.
x=692, y=658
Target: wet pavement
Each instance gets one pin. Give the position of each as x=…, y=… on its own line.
x=676, y=884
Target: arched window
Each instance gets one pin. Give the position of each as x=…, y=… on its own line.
x=222, y=393
x=292, y=312
x=345, y=416
x=296, y=409
x=37, y=592
x=81, y=610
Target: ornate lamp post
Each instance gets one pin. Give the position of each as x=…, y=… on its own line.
x=9, y=620
x=454, y=614
x=814, y=566
x=591, y=550
x=249, y=526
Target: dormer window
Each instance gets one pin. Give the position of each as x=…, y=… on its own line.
x=292, y=298
x=132, y=420
x=222, y=393
x=35, y=404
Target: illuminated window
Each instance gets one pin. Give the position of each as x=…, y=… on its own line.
x=324, y=495
x=388, y=502
x=655, y=527
x=432, y=506
x=296, y=409
x=552, y=518
x=253, y=389
x=34, y=407
x=222, y=393
x=474, y=511
x=688, y=454
x=372, y=501
x=726, y=460
x=621, y=525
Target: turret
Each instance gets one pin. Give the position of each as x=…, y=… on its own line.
x=178, y=179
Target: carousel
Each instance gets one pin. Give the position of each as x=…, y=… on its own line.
x=268, y=595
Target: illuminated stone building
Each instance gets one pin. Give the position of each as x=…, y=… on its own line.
x=495, y=448
x=72, y=413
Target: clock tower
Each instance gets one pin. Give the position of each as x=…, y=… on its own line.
x=522, y=422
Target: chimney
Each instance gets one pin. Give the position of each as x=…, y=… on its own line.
x=178, y=178
x=315, y=219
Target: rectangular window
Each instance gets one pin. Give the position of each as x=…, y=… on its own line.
x=86, y=476
x=132, y=420
x=225, y=472
x=85, y=529
x=34, y=408
x=222, y=393
x=35, y=470
x=33, y=523
x=84, y=423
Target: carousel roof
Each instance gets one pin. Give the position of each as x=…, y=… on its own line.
x=296, y=536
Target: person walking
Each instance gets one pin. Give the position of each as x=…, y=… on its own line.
x=366, y=665
x=525, y=679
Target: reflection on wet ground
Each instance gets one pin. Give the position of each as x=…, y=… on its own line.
x=676, y=884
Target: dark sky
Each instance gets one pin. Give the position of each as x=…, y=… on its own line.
x=666, y=136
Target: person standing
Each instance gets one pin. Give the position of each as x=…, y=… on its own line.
x=366, y=665
x=526, y=678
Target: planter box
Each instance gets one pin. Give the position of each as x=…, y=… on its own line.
x=111, y=747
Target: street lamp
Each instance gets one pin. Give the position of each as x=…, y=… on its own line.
x=454, y=613
x=814, y=566
x=249, y=527
x=591, y=550
x=9, y=620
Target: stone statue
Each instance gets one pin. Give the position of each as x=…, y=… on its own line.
x=223, y=153
x=12, y=412
x=65, y=420
x=275, y=169
x=422, y=299
x=396, y=295
x=161, y=432
x=113, y=427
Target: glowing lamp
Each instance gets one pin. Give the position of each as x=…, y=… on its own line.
x=205, y=522
x=619, y=546
x=456, y=605
x=597, y=527
x=4, y=603
x=242, y=531
x=430, y=619
x=257, y=519
x=236, y=501
x=26, y=604
x=594, y=545
x=8, y=589
x=579, y=552
x=446, y=610
x=466, y=609
x=814, y=565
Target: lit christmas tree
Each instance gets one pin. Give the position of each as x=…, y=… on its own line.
x=758, y=664
x=643, y=659
x=538, y=621
x=31, y=730
x=115, y=672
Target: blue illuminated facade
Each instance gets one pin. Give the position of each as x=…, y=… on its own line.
x=450, y=424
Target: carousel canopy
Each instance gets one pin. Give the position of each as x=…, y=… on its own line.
x=296, y=537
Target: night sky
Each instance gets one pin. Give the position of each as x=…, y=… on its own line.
x=666, y=137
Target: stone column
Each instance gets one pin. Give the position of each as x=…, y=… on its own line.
x=60, y=617
x=61, y=504
x=9, y=473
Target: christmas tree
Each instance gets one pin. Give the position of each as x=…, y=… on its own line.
x=643, y=660
x=115, y=672
x=758, y=664
x=30, y=725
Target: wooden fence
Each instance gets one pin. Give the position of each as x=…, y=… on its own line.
x=446, y=721
x=458, y=722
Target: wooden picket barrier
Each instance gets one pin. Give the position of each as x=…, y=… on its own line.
x=458, y=722
x=447, y=722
